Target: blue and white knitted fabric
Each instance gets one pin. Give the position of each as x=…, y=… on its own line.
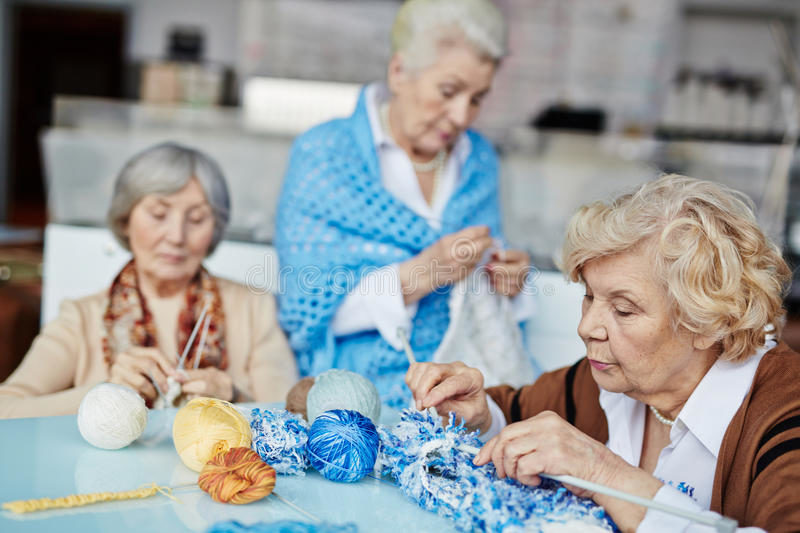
x=279, y=438
x=432, y=467
x=336, y=222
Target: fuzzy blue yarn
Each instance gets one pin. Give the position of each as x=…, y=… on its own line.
x=425, y=460
x=336, y=222
x=343, y=445
x=281, y=526
x=279, y=438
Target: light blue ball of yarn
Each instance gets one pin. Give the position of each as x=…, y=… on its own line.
x=342, y=389
x=343, y=445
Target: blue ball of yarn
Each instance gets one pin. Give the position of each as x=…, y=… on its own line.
x=343, y=445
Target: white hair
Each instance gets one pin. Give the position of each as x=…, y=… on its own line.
x=165, y=169
x=422, y=26
x=724, y=278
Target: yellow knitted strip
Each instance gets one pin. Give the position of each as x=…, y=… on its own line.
x=78, y=500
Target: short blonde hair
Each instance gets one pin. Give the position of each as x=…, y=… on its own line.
x=421, y=26
x=723, y=276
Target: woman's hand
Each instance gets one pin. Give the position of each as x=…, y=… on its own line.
x=210, y=382
x=136, y=367
x=446, y=261
x=508, y=271
x=546, y=443
x=451, y=387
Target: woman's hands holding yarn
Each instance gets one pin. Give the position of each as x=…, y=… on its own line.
x=209, y=382
x=508, y=271
x=136, y=367
x=548, y=443
x=446, y=261
x=451, y=387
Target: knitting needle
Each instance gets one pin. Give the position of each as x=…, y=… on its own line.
x=281, y=498
x=202, y=344
x=158, y=389
x=297, y=508
x=193, y=486
x=192, y=336
x=401, y=334
x=722, y=524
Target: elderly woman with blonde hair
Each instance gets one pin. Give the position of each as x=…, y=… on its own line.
x=383, y=212
x=686, y=394
x=170, y=208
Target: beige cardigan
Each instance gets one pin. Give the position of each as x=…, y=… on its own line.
x=66, y=359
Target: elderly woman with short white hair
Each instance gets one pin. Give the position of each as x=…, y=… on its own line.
x=383, y=212
x=686, y=394
x=170, y=208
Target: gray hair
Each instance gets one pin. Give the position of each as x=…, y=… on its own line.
x=422, y=25
x=166, y=168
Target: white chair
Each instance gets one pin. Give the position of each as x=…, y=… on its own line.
x=79, y=261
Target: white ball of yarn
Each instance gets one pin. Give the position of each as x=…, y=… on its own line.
x=342, y=389
x=111, y=416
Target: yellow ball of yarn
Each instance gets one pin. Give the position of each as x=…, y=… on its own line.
x=205, y=427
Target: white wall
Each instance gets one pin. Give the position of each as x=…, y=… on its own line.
x=151, y=21
x=747, y=41
x=714, y=41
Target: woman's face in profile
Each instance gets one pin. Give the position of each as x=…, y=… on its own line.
x=438, y=103
x=170, y=234
x=627, y=327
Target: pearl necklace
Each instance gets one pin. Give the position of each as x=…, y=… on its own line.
x=435, y=165
x=661, y=418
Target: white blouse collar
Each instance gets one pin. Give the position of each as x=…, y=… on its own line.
x=376, y=94
x=708, y=411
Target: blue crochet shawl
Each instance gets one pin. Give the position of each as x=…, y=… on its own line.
x=336, y=222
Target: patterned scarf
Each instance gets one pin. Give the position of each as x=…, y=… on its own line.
x=128, y=322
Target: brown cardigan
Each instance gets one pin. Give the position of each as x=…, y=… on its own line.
x=757, y=480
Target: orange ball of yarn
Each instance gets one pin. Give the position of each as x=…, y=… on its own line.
x=237, y=476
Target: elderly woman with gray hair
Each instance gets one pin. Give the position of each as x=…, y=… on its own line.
x=383, y=212
x=170, y=208
x=686, y=394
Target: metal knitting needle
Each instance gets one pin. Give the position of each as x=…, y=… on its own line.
x=198, y=354
x=188, y=346
x=158, y=389
x=722, y=524
x=297, y=508
x=403, y=336
x=193, y=486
